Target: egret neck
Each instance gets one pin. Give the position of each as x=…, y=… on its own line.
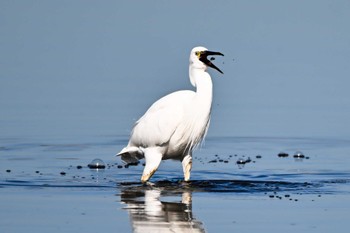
x=201, y=79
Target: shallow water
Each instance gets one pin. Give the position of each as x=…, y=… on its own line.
x=47, y=186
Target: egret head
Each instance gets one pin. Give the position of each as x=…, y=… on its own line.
x=199, y=58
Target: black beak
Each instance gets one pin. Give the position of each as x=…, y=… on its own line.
x=204, y=58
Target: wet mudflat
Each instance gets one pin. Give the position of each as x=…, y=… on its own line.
x=238, y=184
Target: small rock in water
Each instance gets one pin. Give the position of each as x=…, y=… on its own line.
x=8, y=170
x=79, y=167
x=283, y=155
x=97, y=164
x=299, y=155
x=241, y=161
x=63, y=173
x=258, y=156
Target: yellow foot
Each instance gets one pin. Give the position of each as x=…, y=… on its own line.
x=146, y=177
x=187, y=166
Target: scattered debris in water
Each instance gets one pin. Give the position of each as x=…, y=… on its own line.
x=283, y=154
x=241, y=161
x=299, y=155
x=97, y=164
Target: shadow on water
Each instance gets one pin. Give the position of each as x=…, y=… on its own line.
x=230, y=186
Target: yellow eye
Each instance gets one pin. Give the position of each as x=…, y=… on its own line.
x=198, y=54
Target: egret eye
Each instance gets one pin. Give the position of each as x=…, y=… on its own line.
x=198, y=54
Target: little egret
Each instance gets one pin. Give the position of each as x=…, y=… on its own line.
x=175, y=124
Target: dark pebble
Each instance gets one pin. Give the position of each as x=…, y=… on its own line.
x=225, y=161
x=213, y=161
x=97, y=164
x=63, y=173
x=119, y=166
x=221, y=160
x=271, y=196
x=248, y=160
x=287, y=195
x=241, y=161
x=79, y=167
x=37, y=172
x=283, y=155
x=133, y=164
x=8, y=170
x=258, y=156
x=299, y=155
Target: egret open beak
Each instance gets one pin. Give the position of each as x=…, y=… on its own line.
x=204, y=58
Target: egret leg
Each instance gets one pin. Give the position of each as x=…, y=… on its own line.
x=153, y=159
x=187, y=166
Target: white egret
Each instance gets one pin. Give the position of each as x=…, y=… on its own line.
x=175, y=124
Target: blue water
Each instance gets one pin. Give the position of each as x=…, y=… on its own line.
x=76, y=75
x=41, y=180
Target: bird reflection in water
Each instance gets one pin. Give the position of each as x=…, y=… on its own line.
x=149, y=214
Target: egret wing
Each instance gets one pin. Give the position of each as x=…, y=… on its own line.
x=159, y=123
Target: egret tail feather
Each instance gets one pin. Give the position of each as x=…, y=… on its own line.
x=131, y=154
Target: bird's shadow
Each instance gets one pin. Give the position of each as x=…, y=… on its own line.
x=233, y=186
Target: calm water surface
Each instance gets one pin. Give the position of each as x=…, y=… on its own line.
x=75, y=76
x=43, y=189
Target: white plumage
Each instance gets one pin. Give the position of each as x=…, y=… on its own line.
x=175, y=124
